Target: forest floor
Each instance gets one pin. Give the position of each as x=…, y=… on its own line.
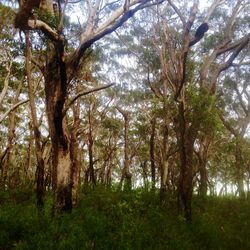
x=107, y=219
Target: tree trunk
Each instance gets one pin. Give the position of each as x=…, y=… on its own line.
x=91, y=170
x=55, y=90
x=126, y=175
x=185, y=139
x=35, y=126
x=239, y=168
x=5, y=158
x=203, y=183
x=152, y=152
x=164, y=160
x=75, y=154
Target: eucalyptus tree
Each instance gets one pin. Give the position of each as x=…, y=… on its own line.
x=60, y=65
x=236, y=102
x=11, y=91
x=189, y=71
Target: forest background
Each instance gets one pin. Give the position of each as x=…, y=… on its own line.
x=139, y=108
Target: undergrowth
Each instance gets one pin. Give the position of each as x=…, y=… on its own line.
x=109, y=219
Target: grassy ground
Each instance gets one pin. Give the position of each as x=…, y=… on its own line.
x=106, y=219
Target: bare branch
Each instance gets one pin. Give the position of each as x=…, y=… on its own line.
x=210, y=11
x=235, y=53
x=240, y=99
x=177, y=12
x=45, y=28
x=227, y=125
x=83, y=93
x=13, y=108
x=119, y=17
x=232, y=46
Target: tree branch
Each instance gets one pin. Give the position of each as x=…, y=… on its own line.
x=177, y=12
x=83, y=93
x=119, y=17
x=6, y=83
x=45, y=28
x=13, y=108
x=214, y=5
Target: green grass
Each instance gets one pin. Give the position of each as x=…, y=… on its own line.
x=107, y=219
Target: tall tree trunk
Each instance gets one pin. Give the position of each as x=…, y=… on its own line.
x=75, y=153
x=202, y=160
x=164, y=161
x=126, y=175
x=91, y=170
x=239, y=168
x=56, y=90
x=35, y=126
x=152, y=151
x=203, y=176
x=6, y=157
x=185, y=139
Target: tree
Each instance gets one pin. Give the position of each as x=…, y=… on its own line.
x=60, y=67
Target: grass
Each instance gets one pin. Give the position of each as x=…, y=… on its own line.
x=107, y=219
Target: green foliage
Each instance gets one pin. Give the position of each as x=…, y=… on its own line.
x=203, y=110
x=47, y=17
x=109, y=219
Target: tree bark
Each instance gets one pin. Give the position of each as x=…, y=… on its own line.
x=152, y=151
x=5, y=157
x=56, y=91
x=164, y=161
x=126, y=175
x=91, y=170
x=75, y=153
x=239, y=168
x=35, y=126
x=185, y=138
